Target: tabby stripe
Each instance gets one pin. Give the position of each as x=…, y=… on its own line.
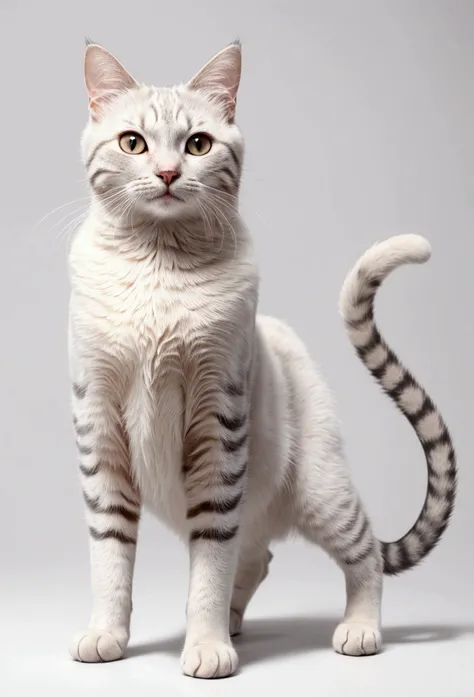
x=314, y=517
x=111, y=535
x=406, y=381
x=231, y=424
x=438, y=494
x=97, y=174
x=234, y=390
x=348, y=546
x=443, y=439
x=129, y=500
x=214, y=534
x=230, y=174
x=193, y=459
x=380, y=370
x=84, y=449
x=362, y=532
x=350, y=555
x=404, y=561
x=346, y=528
x=89, y=472
x=374, y=341
x=95, y=506
x=233, y=446
x=79, y=390
x=426, y=408
x=449, y=475
x=155, y=112
x=225, y=506
x=358, y=558
x=83, y=430
x=359, y=323
x=229, y=479
x=388, y=568
x=422, y=536
x=98, y=147
x=373, y=284
x=233, y=154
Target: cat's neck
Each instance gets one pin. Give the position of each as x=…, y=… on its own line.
x=187, y=243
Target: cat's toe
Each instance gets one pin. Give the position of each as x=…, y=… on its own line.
x=211, y=660
x=98, y=646
x=357, y=639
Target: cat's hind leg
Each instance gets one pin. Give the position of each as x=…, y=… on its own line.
x=338, y=523
x=252, y=570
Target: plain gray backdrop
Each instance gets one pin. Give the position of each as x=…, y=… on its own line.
x=359, y=121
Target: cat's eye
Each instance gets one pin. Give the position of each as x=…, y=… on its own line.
x=132, y=143
x=198, y=144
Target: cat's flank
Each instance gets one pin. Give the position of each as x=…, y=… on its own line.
x=188, y=403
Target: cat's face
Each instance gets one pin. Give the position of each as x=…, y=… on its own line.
x=163, y=152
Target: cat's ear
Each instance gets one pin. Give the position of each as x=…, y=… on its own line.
x=105, y=77
x=220, y=78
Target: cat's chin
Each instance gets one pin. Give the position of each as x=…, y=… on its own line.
x=165, y=207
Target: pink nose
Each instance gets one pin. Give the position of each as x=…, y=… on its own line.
x=169, y=176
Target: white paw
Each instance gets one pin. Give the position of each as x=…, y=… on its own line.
x=98, y=646
x=235, y=622
x=213, y=660
x=357, y=639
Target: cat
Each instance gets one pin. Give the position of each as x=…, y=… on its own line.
x=188, y=402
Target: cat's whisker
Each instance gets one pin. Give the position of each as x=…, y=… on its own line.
x=66, y=232
x=81, y=211
x=208, y=233
x=230, y=227
x=224, y=194
x=58, y=208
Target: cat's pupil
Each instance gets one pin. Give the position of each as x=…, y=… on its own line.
x=132, y=142
x=198, y=144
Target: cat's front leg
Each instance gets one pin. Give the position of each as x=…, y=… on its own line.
x=215, y=468
x=112, y=507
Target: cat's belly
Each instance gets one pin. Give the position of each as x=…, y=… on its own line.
x=154, y=415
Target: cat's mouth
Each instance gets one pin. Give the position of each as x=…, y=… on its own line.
x=166, y=196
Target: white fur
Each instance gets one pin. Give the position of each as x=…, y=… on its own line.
x=158, y=336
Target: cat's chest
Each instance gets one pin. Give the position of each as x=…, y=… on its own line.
x=153, y=412
x=135, y=311
x=140, y=309
x=150, y=330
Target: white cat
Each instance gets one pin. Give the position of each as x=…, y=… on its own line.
x=187, y=402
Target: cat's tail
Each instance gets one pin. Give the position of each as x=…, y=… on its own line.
x=357, y=308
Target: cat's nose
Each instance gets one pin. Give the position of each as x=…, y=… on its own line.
x=168, y=175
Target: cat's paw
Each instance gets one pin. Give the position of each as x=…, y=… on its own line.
x=235, y=622
x=212, y=660
x=98, y=646
x=357, y=639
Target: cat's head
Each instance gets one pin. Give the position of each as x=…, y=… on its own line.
x=166, y=152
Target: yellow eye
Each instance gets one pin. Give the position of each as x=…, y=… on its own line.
x=199, y=144
x=132, y=143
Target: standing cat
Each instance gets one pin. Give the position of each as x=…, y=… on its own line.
x=189, y=403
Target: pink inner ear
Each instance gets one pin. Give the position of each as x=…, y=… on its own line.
x=104, y=75
x=220, y=77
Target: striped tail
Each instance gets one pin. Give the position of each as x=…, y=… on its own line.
x=357, y=308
